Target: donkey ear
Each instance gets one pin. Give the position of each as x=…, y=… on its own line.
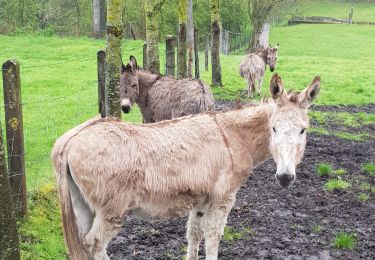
x=123, y=68
x=277, y=89
x=310, y=93
x=133, y=62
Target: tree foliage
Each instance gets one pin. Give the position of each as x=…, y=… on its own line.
x=74, y=17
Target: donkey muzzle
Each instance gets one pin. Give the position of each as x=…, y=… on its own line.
x=126, y=105
x=285, y=179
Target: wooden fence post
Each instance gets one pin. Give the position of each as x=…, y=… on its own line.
x=206, y=50
x=170, y=44
x=145, y=56
x=351, y=16
x=101, y=81
x=14, y=135
x=9, y=245
x=196, y=54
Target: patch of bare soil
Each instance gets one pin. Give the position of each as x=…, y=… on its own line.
x=295, y=223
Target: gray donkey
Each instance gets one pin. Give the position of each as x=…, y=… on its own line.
x=162, y=97
x=253, y=67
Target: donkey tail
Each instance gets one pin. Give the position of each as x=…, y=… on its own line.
x=72, y=239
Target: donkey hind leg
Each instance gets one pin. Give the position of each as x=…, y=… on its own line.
x=214, y=224
x=82, y=211
x=194, y=233
x=251, y=87
x=104, y=228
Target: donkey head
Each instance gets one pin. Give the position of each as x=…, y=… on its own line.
x=288, y=126
x=129, y=85
x=272, y=56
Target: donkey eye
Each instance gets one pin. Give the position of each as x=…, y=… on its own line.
x=134, y=86
x=303, y=130
x=274, y=130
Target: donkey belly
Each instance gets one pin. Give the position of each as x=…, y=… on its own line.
x=166, y=206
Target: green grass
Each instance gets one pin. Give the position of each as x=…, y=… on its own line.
x=230, y=234
x=343, y=118
x=323, y=169
x=337, y=184
x=363, y=197
x=369, y=168
x=317, y=229
x=338, y=172
x=365, y=186
x=362, y=11
x=344, y=240
x=41, y=235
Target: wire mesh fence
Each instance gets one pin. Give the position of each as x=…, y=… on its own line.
x=49, y=110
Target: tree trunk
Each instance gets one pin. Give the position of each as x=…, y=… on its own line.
x=259, y=38
x=98, y=18
x=9, y=248
x=181, y=55
x=152, y=9
x=215, y=50
x=113, y=58
x=190, y=37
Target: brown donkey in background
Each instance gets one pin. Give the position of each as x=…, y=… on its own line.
x=162, y=97
x=107, y=169
x=253, y=67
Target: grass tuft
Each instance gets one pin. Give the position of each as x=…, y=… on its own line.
x=363, y=197
x=369, y=168
x=344, y=240
x=323, y=169
x=365, y=186
x=337, y=184
x=230, y=234
x=338, y=172
x=317, y=229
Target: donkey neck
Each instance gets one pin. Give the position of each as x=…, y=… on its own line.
x=248, y=134
x=263, y=54
x=146, y=81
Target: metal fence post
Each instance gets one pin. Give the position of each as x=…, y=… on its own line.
x=14, y=135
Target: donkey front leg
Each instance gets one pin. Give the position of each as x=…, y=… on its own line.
x=260, y=83
x=215, y=222
x=194, y=233
x=104, y=228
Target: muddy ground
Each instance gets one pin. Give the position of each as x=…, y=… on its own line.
x=295, y=223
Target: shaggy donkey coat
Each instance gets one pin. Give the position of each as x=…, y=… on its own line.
x=162, y=97
x=253, y=67
x=107, y=169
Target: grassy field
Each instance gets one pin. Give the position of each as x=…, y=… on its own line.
x=59, y=90
x=361, y=11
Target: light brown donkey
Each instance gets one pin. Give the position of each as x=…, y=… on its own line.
x=107, y=169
